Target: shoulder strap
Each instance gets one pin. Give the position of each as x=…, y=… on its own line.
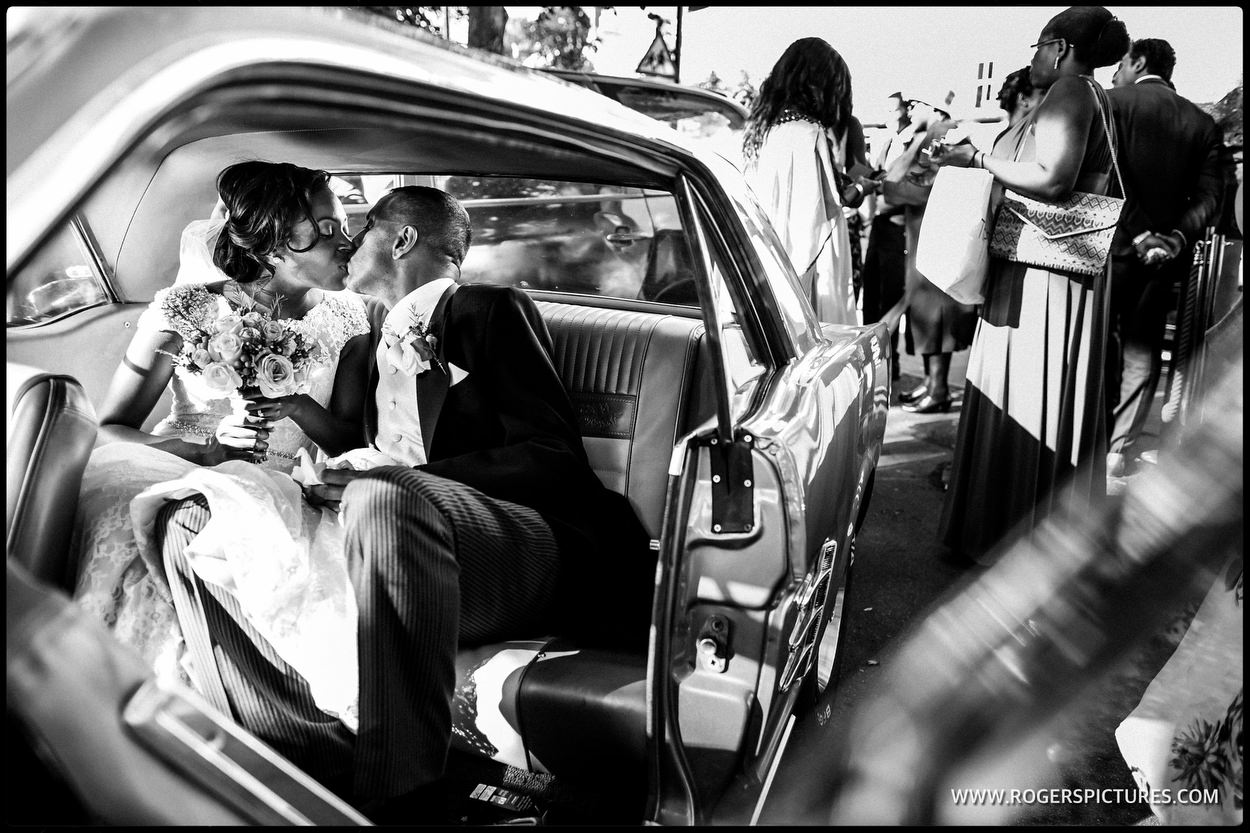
x=1108, y=125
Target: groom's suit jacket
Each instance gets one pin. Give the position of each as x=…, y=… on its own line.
x=508, y=429
x=1169, y=155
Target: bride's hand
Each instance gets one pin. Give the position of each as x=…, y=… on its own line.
x=243, y=437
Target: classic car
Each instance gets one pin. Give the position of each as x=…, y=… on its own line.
x=744, y=432
x=692, y=111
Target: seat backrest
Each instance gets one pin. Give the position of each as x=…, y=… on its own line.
x=631, y=378
x=52, y=429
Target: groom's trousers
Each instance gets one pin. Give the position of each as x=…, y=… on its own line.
x=435, y=564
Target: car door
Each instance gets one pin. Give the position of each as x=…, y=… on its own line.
x=759, y=522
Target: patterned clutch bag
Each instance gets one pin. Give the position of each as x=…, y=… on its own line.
x=1069, y=236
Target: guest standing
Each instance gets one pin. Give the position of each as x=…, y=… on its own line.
x=799, y=137
x=1018, y=97
x=885, y=261
x=1032, y=416
x=937, y=325
x=1170, y=158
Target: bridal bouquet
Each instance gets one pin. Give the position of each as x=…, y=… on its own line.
x=242, y=351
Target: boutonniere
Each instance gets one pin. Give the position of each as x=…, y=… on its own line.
x=412, y=351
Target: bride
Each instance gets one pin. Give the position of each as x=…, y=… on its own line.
x=281, y=249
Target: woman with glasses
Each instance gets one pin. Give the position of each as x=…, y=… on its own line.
x=1032, y=418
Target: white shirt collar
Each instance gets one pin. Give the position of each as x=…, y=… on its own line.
x=417, y=305
x=1148, y=77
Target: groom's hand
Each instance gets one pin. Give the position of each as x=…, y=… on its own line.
x=329, y=492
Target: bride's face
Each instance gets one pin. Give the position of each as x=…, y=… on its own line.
x=316, y=255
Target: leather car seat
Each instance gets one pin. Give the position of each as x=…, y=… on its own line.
x=51, y=432
x=549, y=704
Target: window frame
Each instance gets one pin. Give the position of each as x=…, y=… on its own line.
x=80, y=231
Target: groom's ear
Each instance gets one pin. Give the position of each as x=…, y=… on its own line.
x=404, y=243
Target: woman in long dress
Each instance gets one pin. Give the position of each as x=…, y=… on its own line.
x=800, y=141
x=285, y=244
x=1032, y=418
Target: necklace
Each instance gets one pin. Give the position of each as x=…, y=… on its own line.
x=794, y=115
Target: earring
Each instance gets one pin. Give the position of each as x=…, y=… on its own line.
x=1056, y=62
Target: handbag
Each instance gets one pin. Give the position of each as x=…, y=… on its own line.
x=1069, y=236
x=953, y=249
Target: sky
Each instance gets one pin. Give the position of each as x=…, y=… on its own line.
x=910, y=48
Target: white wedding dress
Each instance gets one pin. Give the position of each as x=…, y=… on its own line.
x=284, y=563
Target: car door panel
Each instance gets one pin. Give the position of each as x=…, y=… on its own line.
x=88, y=345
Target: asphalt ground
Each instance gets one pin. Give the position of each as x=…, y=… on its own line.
x=898, y=575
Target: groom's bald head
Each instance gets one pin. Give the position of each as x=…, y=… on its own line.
x=440, y=220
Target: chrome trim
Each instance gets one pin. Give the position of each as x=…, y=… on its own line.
x=772, y=771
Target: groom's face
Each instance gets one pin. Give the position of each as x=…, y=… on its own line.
x=372, y=268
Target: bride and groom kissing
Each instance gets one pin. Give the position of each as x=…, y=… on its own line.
x=325, y=617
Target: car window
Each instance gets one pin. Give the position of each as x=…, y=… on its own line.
x=59, y=279
x=586, y=238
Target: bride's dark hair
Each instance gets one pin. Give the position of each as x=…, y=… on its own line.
x=264, y=203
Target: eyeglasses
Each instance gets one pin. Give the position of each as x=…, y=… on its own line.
x=1044, y=42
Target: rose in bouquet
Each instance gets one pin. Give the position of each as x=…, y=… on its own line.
x=246, y=352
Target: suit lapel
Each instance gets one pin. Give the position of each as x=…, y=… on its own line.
x=371, y=401
x=433, y=384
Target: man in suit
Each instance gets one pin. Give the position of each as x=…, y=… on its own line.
x=1169, y=157
x=496, y=517
x=493, y=525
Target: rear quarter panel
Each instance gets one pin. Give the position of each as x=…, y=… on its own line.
x=826, y=415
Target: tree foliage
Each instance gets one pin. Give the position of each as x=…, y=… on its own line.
x=744, y=92
x=427, y=18
x=559, y=37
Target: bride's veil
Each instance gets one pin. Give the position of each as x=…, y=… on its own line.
x=195, y=252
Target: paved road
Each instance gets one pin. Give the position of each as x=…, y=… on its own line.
x=897, y=576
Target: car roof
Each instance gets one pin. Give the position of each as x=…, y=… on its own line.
x=68, y=68
x=683, y=98
x=60, y=58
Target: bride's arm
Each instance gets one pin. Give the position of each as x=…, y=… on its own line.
x=136, y=387
x=340, y=427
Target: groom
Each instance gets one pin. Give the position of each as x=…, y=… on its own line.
x=493, y=526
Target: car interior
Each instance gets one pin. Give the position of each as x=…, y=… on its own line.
x=630, y=346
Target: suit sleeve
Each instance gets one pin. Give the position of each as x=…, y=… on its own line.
x=541, y=442
x=1204, y=200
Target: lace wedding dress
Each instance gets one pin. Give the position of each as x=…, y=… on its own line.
x=274, y=544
